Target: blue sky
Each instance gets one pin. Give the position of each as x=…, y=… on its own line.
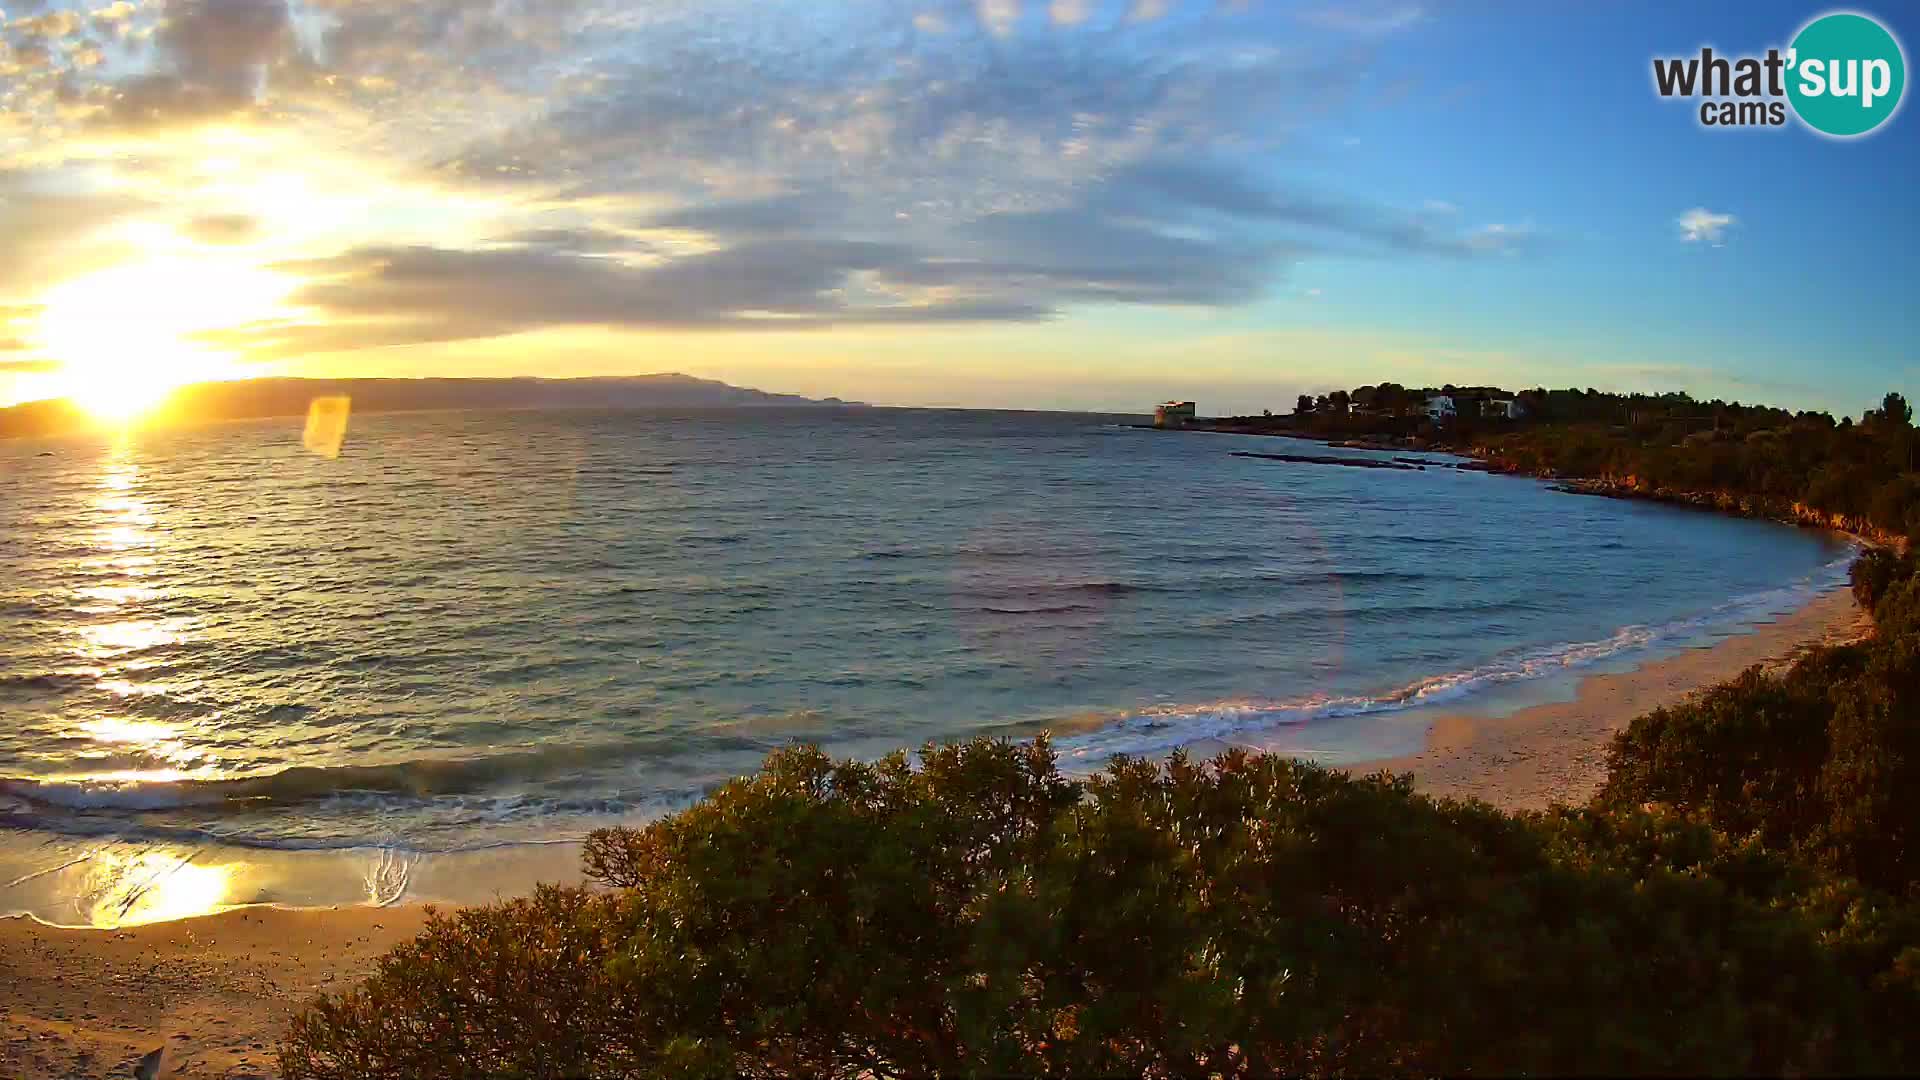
x=1061, y=204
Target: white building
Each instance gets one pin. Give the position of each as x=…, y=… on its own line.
x=1505, y=408
x=1440, y=407
x=1173, y=414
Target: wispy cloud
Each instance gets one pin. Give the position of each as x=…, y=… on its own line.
x=1363, y=17
x=1702, y=225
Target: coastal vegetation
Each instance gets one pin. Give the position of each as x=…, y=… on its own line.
x=1743, y=894
x=1751, y=459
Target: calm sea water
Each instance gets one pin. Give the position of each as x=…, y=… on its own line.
x=485, y=627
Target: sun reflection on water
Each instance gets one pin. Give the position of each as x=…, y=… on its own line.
x=119, y=622
x=115, y=730
x=125, y=534
x=154, y=886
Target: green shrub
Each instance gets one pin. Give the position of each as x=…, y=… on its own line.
x=1874, y=571
x=1871, y=780
x=516, y=989
x=982, y=914
x=1745, y=755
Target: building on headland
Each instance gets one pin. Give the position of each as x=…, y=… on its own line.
x=1504, y=408
x=1440, y=406
x=1173, y=414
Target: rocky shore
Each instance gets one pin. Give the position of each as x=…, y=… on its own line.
x=1785, y=511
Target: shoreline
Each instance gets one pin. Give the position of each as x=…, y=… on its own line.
x=1555, y=752
x=215, y=990
x=1486, y=460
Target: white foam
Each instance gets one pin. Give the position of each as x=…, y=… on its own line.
x=1160, y=729
x=111, y=794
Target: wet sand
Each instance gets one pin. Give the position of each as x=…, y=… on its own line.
x=1557, y=752
x=215, y=992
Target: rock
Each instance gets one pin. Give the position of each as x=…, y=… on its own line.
x=1318, y=459
x=148, y=1067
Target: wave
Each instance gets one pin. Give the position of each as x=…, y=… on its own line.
x=121, y=830
x=1044, y=609
x=424, y=778
x=1160, y=729
x=1222, y=584
x=53, y=681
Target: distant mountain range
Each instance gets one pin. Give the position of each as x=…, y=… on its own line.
x=249, y=398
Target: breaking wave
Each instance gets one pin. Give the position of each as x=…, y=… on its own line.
x=1166, y=728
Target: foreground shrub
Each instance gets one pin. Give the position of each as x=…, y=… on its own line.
x=517, y=989
x=1874, y=571
x=1822, y=761
x=1745, y=756
x=982, y=914
x=1871, y=781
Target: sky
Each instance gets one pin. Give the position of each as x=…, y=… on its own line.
x=1081, y=204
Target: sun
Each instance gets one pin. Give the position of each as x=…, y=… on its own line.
x=123, y=400
x=127, y=337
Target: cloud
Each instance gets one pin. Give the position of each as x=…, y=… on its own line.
x=1364, y=18
x=1502, y=239
x=1700, y=224
x=999, y=16
x=223, y=228
x=389, y=296
x=719, y=164
x=998, y=113
x=53, y=225
x=1323, y=220
x=1069, y=12
x=213, y=59
x=12, y=345
x=1161, y=233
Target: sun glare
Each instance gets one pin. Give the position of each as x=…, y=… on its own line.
x=125, y=338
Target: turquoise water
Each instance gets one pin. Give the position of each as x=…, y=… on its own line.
x=484, y=628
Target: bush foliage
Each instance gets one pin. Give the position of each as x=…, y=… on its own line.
x=983, y=914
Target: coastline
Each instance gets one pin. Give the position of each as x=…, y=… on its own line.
x=1556, y=752
x=215, y=991
x=1488, y=460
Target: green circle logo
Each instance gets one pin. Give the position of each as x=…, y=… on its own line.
x=1846, y=74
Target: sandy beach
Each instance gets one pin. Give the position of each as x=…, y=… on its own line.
x=214, y=992
x=1556, y=752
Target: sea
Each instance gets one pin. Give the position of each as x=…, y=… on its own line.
x=485, y=632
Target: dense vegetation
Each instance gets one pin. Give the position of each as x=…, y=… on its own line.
x=1822, y=762
x=1771, y=459
x=1250, y=917
x=1743, y=895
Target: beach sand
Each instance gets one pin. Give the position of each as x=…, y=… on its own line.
x=1557, y=752
x=216, y=991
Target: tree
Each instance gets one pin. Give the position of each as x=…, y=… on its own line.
x=1302, y=405
x=1895, y=410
